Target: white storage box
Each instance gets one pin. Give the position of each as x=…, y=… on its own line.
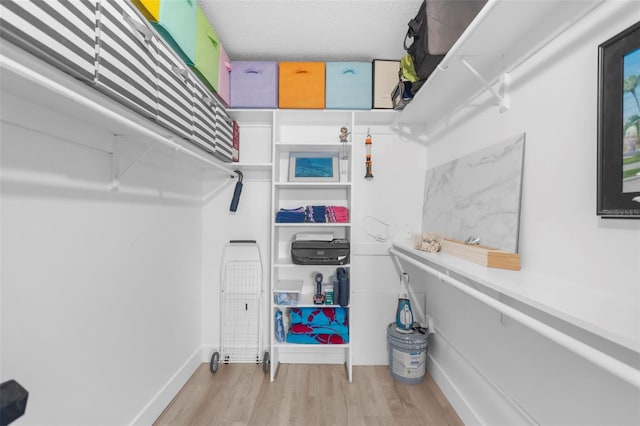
x=287, y=292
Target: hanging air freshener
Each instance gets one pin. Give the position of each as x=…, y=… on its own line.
x=367, y=144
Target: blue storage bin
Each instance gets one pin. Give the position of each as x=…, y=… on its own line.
x=349, y=85
x=254, y=84
x=177, y=25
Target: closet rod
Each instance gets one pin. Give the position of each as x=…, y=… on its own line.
x=21, y=70
x=602, y=360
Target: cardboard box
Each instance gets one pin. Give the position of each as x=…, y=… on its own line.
x=385, y=80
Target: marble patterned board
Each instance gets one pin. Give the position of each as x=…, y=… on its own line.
x=478, y=195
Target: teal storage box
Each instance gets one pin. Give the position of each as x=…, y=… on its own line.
x=177, y=25
x=348, y=85
x=207, y=56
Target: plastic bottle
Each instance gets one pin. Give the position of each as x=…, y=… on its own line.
x=279, y=326
x=343, y=279
x=404, y=314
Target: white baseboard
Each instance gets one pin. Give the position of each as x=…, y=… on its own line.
x=159, y=402
x=450, y=391
x=207, y=351
x=474, y=395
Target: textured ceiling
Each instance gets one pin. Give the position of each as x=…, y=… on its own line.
x=311, y=30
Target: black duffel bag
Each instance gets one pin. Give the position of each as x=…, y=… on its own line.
x=423, y=62
x=434, y=30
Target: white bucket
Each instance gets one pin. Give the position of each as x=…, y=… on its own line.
x=407, y=355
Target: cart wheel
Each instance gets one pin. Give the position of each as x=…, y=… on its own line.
x=265, y=362
x=215, y=362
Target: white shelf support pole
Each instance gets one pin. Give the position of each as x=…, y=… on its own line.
x=502, y=96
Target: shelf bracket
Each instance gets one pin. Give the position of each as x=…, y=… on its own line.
x=215, y=191
x=116, y=173
x=502, y=95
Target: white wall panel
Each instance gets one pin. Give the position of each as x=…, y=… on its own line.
x=531, y=380
x=100, y=290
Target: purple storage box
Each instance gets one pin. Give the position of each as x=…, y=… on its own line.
x=254, y=84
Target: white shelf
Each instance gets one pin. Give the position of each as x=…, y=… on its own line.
x=503, y=35
x=311, y=117
x=254, y=116
x=309, y=305
x=312, y=185
x=28, y=78
x=557, y=298
x=297, y=116
x=250, y=167
x=286, y=263
x=312, y=225
x=314, y=346
x=312, y=146
x=306, y=301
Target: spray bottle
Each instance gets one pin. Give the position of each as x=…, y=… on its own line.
x=404, y=314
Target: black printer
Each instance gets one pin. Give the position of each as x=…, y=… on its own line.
x=317, y=252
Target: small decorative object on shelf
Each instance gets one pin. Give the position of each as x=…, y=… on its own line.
x=474, y=241
x=482, y=255
x=367, y=143
x=429, y=242
x=344, y=134
x=344, y=157
x=328, y=294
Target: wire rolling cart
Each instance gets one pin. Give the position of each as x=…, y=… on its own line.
x=241, y=313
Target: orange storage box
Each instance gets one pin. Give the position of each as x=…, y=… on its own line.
x=301, y=85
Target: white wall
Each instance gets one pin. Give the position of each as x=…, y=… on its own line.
x=554, y=101
x=390, y=197
x=100, y=290
x=500, y=373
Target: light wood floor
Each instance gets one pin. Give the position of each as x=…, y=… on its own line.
x=308, y=395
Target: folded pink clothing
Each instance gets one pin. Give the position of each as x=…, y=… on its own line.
x=339, y=220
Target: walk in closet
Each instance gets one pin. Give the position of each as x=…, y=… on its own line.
x=116, y=182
